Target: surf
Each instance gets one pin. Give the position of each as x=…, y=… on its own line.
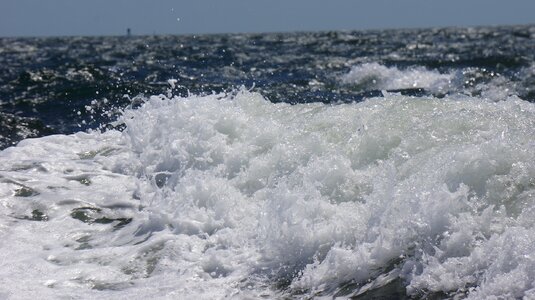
x=231, y=195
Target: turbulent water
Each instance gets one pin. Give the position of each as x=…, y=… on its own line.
x=365, y=165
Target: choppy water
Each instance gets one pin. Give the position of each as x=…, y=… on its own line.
x=340, y=164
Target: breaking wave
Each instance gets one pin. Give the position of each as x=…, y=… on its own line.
x=369, y=76
x=230, y=195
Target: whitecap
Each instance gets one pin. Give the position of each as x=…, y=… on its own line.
x=230, y=195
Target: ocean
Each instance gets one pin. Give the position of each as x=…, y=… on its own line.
x=386, y=164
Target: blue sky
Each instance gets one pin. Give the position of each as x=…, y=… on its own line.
x=112, y=17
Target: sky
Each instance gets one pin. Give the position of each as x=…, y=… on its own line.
x=113, y=17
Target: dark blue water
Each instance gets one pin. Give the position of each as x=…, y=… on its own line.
x=47, y=83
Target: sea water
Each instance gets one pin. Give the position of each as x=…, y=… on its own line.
x=383, y=164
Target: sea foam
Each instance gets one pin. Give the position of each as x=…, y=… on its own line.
x=230, y=195
x=373, y=75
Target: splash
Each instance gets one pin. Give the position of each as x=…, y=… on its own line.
x=230, y=195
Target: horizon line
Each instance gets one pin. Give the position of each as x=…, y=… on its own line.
x=125, y=34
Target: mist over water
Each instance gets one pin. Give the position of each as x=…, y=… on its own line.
x=394, y=164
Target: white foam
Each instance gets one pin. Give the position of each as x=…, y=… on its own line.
x=234, y=196
x=370, y=76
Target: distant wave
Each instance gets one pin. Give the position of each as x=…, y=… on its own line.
x=377, y=76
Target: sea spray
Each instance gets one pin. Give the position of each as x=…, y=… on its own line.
x=231, y=195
